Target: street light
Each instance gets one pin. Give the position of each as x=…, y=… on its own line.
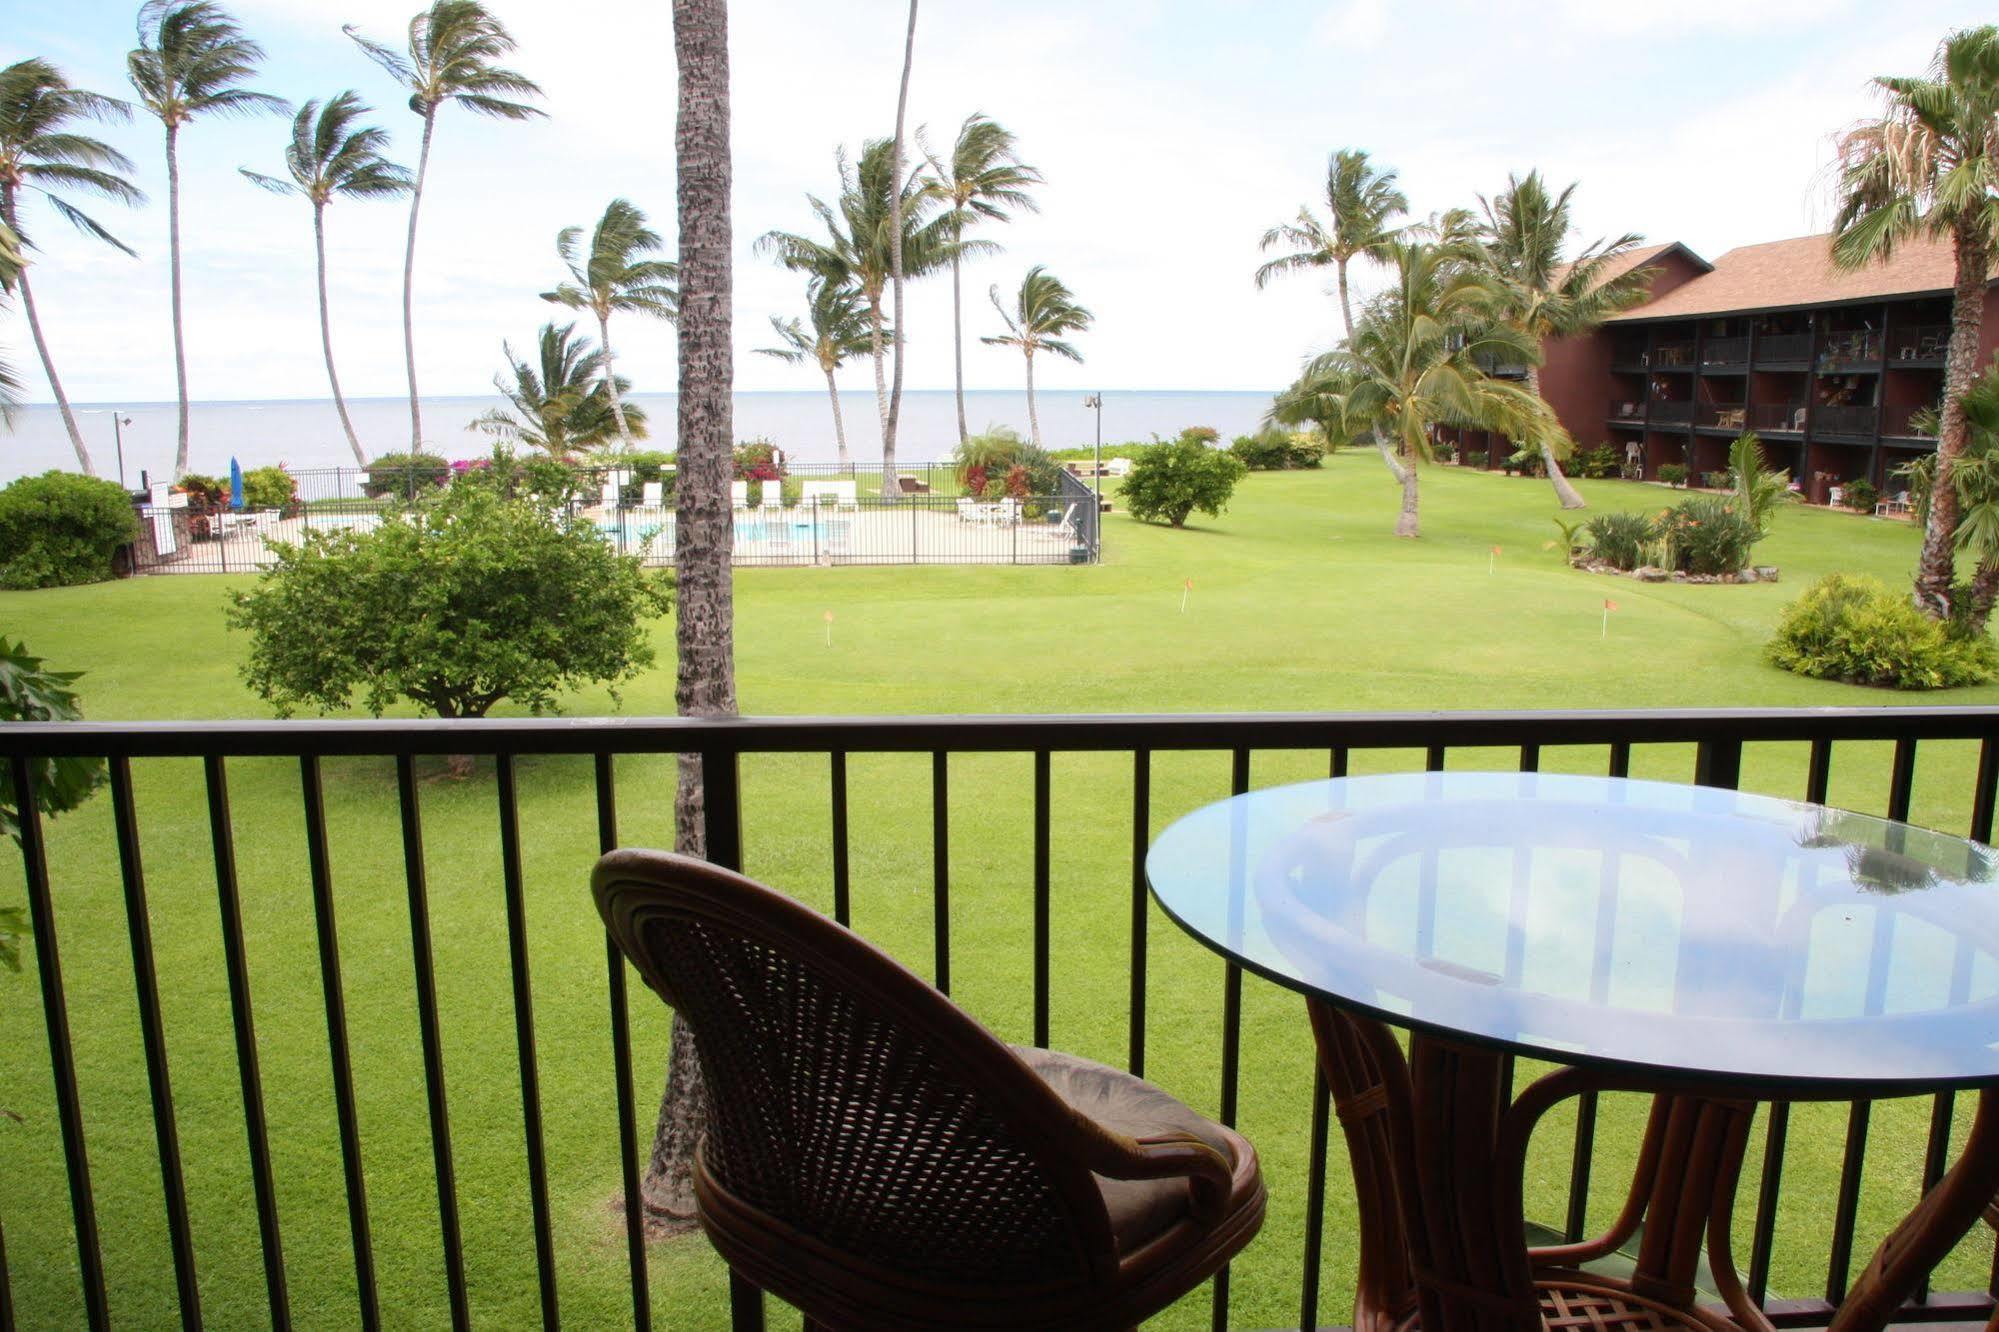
x=1095, y=402
x=118, y=422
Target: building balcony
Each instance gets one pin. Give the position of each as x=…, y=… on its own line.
x=1783, y=348
x=1908, y=421
x=1722, y=416
x=1919, y=344
x=1850, y=351
x=1671, y=413
x=1777, y=418
x=1625, y=410
x=1672, y=355
x=1724, y=353
x=445, y=903
x=1853, y=422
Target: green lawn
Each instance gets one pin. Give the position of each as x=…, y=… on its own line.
x=1300, y=601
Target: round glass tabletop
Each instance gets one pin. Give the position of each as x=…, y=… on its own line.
x=1682, y=930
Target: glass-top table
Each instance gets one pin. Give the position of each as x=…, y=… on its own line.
x=1706, y=945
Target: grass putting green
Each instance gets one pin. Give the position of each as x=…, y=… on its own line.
x=1300, y=600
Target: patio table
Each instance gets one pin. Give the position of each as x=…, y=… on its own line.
x=1706, y=946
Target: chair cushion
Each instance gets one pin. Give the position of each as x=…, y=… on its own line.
x=1140, y=1209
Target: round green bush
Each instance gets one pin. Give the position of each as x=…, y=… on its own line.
x=1851, y=628
x=1175, y=479
x=399, y=475
x=59, y=529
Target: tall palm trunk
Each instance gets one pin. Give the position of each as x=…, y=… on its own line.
x=839, y=425
x=409, y=282
x=1033, y=421
x=173, y=269
x=42, y=345
x=611, y=378
x=1936, y=570
x=895, y=253
x=704, y=630
x=1406, y=524
x=1395, y=469
x=958, y=345
x=879, y=352
x=1388, y=460
x=326, y=335
x=1346, y=306
x=1570, y=497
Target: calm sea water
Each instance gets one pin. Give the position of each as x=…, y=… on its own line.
x=305, y=433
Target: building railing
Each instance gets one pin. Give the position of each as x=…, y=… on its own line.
x=1723, y=415
x=1628, y=354
x=1725, y=351
x=1783, y=348
x=1843, y=420
x=1672, y=355
x=1919, y=342
x=1855, y=347
x=1625, y=409
x=1909, y=421
x=1672, y=412
x=1121, y=778
x=1777, y=417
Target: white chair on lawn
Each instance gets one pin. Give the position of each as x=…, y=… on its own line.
x=739, y=494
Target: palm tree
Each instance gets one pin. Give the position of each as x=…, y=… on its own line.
x=898, y=272
x=1360, y=203
x=1043, y=310
x=451, y=57
x=615, y=276
x=11, y=267
x=562, y=403
x=1522, y=235
x=192, y=60
x=838, y=333
x=330, y=157
x=1929, y=166
x=704, y=622
x=981, y=179
x=1413, y=363
x=38, y=151
x=857, y=253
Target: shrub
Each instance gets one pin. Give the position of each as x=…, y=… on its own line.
x=1706, y=534
x=1175, y=479
x=1275, y=450
x=1717, y=481
x=539, y=478
x=1859, y=495
x=1619, y=539
x=758, y=460
x=269, y=488
x=1673, y=474
x=1477, y=458
x=31, y=692
x=1852, y=628
x=401, y=475
x=1445, y=451
x=1597, y=463
x=59, y=529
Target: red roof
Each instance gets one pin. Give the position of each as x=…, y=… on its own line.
x=1800, y=271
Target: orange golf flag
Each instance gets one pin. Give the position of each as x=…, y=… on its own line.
x=1609, y=605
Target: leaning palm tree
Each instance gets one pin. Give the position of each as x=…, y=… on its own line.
x=981, y=179
x=837, y=334
x=1043, y=310
x=617, y=275
x=12, y=266
x=857, y=252
x=1413, y=363
x=450, y=58
x=192, y=60
x=40, y=153
x=1522, y=234
x=1929, y=166
x=1361, y=201
x=561, y=402
x=330, y=157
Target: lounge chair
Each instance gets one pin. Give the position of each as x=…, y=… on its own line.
x=607, y=495
x=739, y=494
x=911, y=486
x=1117, y=467
x=652, y=495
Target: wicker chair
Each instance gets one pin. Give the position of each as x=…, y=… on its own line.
x=880, y=1160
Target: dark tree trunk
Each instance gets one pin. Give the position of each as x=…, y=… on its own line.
x=1936, y=569
x=704, y=626
x=1569, y=496
x=173, y=269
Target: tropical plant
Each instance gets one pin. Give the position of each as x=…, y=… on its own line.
x=1620, y=539
x=561, y=402
x=1975, y=478
x=1000, y=462
x=11, y=266
x=40, y=152
x=331, y=157
x=898, y=261
x=1043, y=310
x=1851, y=628
x=860, y=252
x=192, y=60
x=1361, y=202
x=31, y=692
x=451, y=58
x=1705, y=534
x=1929, y=166
x=1859, y=495
x=981, y=179
x=1174, y=479
x=59, y=529
x=838, y=333
x=1525, y=229
x=404, y=475
x=1673, y=474
x=1318, y=397
x=617, y=274
x=1274, y=449
x=1758, y=490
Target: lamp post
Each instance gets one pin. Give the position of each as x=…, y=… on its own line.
x=1095, y=402
x=118, y=423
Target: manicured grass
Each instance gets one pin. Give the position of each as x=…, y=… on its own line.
x=1300, y=601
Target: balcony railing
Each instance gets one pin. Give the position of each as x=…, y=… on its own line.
x=1919, y=342
x=1902, y=421
x=1725, y=351
x=1850, y=348
x=1723, y=415
x=1777, y=417
x=800, y=793
x=1783, y=348
x=1672, y=412
x=1672, y=355
x=1845, y=420
x=1625, y=409
x=1628, y=354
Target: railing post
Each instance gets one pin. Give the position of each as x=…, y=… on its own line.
x=722, y=808
x=1718, y=762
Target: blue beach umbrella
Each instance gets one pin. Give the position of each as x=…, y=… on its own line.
x=235, y=484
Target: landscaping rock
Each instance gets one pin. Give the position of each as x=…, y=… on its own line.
x=1746, y=576
x=1766, y=573
x=1648, y=574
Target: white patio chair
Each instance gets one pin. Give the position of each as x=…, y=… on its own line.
x=844, y=494
x=652, y=496
x=739, y=494
x=607, y=495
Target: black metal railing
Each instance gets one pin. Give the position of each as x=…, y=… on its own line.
x=1723, y=415
x=1625, y=409
x=1672, y=355
x=1144, y=768
x=1783, y=348
x=1919, y=342
x=1910, y=420
x=1845, y=420
x=1725, y=351
x=1672, y=412
x=1777, y=417
x=1852, y=347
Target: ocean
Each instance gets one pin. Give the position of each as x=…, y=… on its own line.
x=305, y=433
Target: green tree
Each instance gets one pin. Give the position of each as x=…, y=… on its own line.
x=838, y=333
x=1173, y=479
x=1318, y=397
x=617, y=274
x=451, y=58
x=331, y=157
x=1758, y=489
x=31, y=692
x=11, y=266
x=1043, y=310
x=461, y=605
x=40, y=152
x=60, y=529
x=982, y=179
x=1524, y=231
x=561, y=403
x=192, y=61
x=1929, y=166
x=1361, y=202
x=1974, y=480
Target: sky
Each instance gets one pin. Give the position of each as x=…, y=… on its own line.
x=1171, y=135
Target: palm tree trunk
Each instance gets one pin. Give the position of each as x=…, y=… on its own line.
x=895, y=249
x=1406, y=524
x=1033, y=421
x=1570, y=497
x=1388, y=460
x=55, y=385
x=173, y=268
x=326, y=335
x=1936, y=568
x=1984, y=594
x=876, y=349
x=839, y=426
x=611, y=380
x=1346, y=306
x=409, y=282
x=704, y=629
x=958, y=347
